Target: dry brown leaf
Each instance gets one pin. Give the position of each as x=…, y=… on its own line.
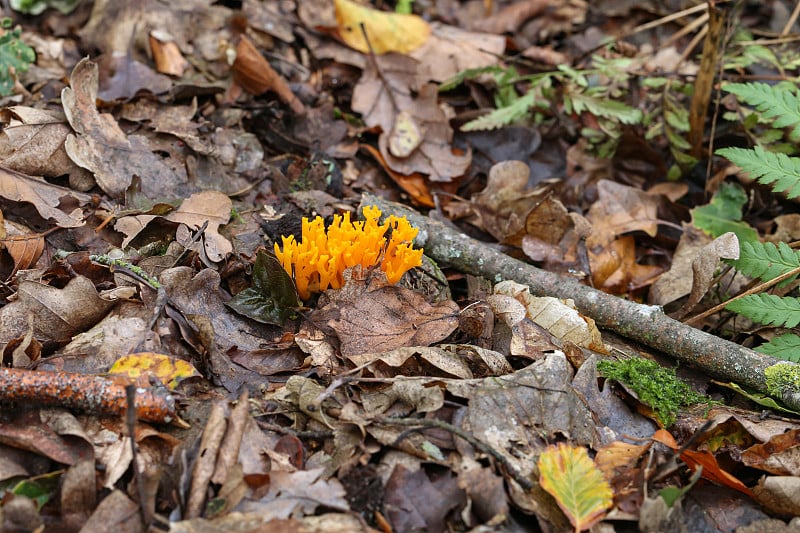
x=207, y=206
x=503, y=206
x=370, y=317
x=103, y=148
x=55, y=314
x=256, y=76
x=44, y=196
x=32, y=142
x=446, y=361
x=379, y=98
x=166, y=54
x=559, y=317
x=450, y=50
x=620, y=209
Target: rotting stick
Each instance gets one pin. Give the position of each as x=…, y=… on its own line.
x=647, y=324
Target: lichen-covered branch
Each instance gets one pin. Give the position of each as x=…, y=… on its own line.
x=717, y=357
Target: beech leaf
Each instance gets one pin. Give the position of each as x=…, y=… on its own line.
x=571, y=477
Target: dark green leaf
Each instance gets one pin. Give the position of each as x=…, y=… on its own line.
x=272, y=298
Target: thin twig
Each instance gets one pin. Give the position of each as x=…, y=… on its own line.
x=521, y=480
x=758, y=288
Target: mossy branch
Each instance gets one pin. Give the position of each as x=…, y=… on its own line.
x=717, y=357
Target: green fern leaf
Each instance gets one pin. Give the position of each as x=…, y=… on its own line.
x=780, y=170
x=766, y=261
x=502, y=116
x=604, y=107
x=784, y=347
x=768, y=309
x=468, y=74
x=773, y=102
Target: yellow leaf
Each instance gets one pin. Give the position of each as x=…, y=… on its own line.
x=578, y=486
x=387, y=32
x=170, y=370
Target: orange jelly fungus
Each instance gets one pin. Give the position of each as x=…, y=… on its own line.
x=320, y=259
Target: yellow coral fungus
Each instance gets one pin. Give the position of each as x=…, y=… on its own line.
x=320, y=259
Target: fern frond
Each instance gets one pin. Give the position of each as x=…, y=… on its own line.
x=604, y=107
x=780, y=170
x=766, y=261
x=768, y=309
x=784, y=347
x=773, y=102
x=468, y=74
x=502, y=116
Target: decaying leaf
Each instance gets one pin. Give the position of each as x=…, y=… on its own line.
x=370, y=316
x=44, y=196
x=101, y=146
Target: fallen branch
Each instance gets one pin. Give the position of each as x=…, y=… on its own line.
x=84, y=392
x=717, y=357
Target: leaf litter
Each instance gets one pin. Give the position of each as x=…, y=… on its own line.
x=195, y=136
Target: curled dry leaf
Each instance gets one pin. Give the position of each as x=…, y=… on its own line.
x=559, y=317
x=32, y=142
x=44, y=196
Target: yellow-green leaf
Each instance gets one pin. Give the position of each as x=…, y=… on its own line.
x=578, y=486
x=387, y=32
x=170, y=370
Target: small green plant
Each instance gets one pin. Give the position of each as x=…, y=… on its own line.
x=779, y=107
x=597, y=92
x=37, y=7
x=656, y=387
x=15, y=56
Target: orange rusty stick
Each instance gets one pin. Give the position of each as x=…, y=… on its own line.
x=84, y=392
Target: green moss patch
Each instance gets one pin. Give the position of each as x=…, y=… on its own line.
x=655, y=386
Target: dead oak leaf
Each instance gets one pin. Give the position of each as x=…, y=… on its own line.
x=371, y=317
x=44, y=196
x=101, y=146
x=54, y=314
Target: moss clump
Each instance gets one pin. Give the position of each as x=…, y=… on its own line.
x=657, y=387
x=782, y=378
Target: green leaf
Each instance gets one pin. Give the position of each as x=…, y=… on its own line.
x=604, y=107
x=503, y=116
x=272, y=298
x=778, y=170
x=578, y=486
x=772, y=101
x=724, y=214
x=766, y=261
x=758, y=397
x=36, y=7
x=14, y=55
x=783, y=347
x=768, y=309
